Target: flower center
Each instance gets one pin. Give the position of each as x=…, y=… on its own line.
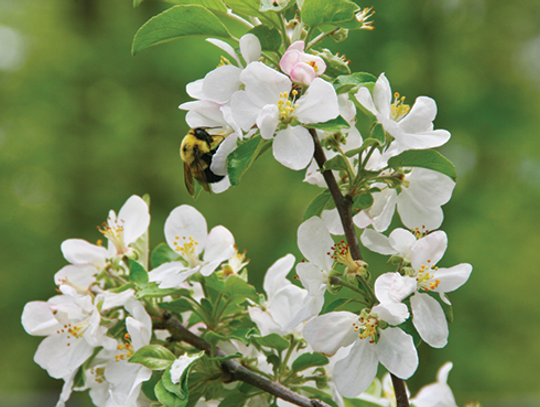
x=114, y=231
x=342, y=254
x=76, y=331
x=425, y=279
x=99, y=373
x=126, y=347
x=367, y=326
x=286, y=106
x=420, y=233
x=398, y=110
x=187, y=249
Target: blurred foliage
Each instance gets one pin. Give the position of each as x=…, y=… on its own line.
x=84, y=125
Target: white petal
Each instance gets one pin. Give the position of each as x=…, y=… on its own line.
x=329, y=332
x=429, y=320
x=78, y=275
x=430, y=187
x=393, y=313
x=250, y=47
x=396, y=351
x=285, y=303
x=402, y=241
x=311, y=307
x=113, y=300
x=268, y=120
x=59, y=359
x=38, y=319
x=203, y=113
x=180, y=365
x=332, y=221
x=452, y=278
x=167, y=273
x=393, y=287
x=365, y=99
x=244, y=111
x=319, y=104
x=220, y=84
x=382, y=96
x=420, y=141
x=219, y=160
x=78, y=251
x=66, y=390
x=264, y=84
x=415, y=214
x=219, y=245
x=183, y=223
x=430, y=247
x=135, y=216
x=314, y=176
x=293, y=147
x=348, y=111
x=126, y=379
x=420, y=117
x=354, y=374
x=276, y=276
x=315, y=243
x=225, y=47
x=194, y=89
x=385, y=203
x=264, y=321
x=377, y=242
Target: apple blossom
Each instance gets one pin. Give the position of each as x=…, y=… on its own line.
x=301, y=67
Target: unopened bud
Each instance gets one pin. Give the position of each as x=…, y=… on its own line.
x=335, y=65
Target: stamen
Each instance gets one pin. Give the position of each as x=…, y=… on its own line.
x=342, y=254
x=398, y=110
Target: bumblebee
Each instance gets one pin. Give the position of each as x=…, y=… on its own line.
x=197, y=150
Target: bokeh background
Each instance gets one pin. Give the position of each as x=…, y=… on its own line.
x=84, y=125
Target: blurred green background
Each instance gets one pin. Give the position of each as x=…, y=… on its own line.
x=84, y=125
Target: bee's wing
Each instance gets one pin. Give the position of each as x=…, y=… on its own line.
x=200, y=176
x=188, y=178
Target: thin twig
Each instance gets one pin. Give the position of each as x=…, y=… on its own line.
x=235, y=370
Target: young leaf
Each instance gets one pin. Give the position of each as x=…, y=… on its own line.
x=234, y=399
x=269, y=37
x=333, y=12
x=162, y=254
x=378, y=133
x=307, y=360
x=178, y=22
x=337, y=163
x=362, y=201
x=272, y=341
x=180, y=305
x=167, y=398
x=153, y=357
x=353, y=82
x=316, y=206
x=235, y=285
x=251, y=8
x=149, y=385
x=334, y=125
x=244, y=156
x=430, y=159
x=137, y=274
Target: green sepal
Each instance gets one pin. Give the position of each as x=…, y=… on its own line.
x=351, y=83
x=331, y=126
x=307, y=360
x=269, y=37
x=154, y=357
x=319, y=203
x=328, y=12
x=430, y=159
x=163, y=254
x=337, y=163
x=180, y=305
x=215, y=5
x=273, y=341
x=378, y=133
x=178, y=22
x=137, y=274
x=244, y=156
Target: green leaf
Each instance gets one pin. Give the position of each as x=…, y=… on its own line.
x=244, y=334
x=307, y=360
x=167, y=398
x=430, y=159
x=180, y=389
x=163, y=254
x=335, y=304
x=137, y=274
x=269, y=37
x=333, y=12
x=318, y=204
x=178, y=22
x=244, y=156
x=155, y=357
x=337, y=163
x=270, y=5
x=148, y=386
x=359, y=403
x=228, y=357
x=136, y=3
x=251, y=8
x=234, y=399
x=378, y=133
x=362, y=201
x=319, y=394
x=214, y=5
x=332, y=126
x=180, y=305
x=152, y=290
x=123, y=288
x=235, y=286
x=353, y=82
x=272, y=341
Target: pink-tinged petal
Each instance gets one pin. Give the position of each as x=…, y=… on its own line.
x=185, y=223
x=452, y=278
x=319, y=104
x=315, y=243
x=365, y=99
x=38, y=319
x=268, y=120
x=420, y=117
x=430, y=247
x=60, y=359
x=276, y=276
x=377, y=242
x=219, y=160
x=285, y=304
x=429, y=320
x=382, y=96
x=80, y=276
x=297, y=45
x=396, y=351
x=219, y=245
x=78, y=251
x=393, y=287
x=220, y=84
x=244, y=111
x=289, y=59
x=250, y=48
x=430, y=187
x=392, y=313
x=194, y=90
x=329, y=332
x=135, y=217
x=316, y=62
x=225, y=47
x=354, y=374
x=293, y=147
x=302, y=73
x=332, y=221
x=264, y=84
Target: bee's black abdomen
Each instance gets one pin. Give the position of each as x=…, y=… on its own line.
x=211, y=177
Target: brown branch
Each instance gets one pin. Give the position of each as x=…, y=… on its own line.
x=235, y=370
x=343, y=205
